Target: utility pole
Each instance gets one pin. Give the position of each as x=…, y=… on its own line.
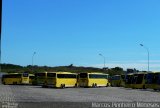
x=0, y=33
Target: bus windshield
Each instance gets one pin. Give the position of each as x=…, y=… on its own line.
x=139, y=78
x=25, y=74
x=83, y=75
x=129, y=79
x=123, y=77
x=150, y=77
x=155, y=78
x=31, y=77
x=116, y=77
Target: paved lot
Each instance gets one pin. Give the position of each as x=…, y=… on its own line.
x=22, y=93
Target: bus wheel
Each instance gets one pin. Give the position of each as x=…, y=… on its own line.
x=95, y=85
x=76, y=85
x=62, y=85
x=107, y=85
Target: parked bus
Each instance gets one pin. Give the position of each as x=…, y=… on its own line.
x=61, y=79
x=153, y=80
x=93, y=79
x=40, y=78
x=15, y=78
x=116, y=81
x=139, y=80
x=129, y=80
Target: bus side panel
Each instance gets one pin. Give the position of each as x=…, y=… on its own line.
x=12, y=80
x=99, y=82
x=69, y=82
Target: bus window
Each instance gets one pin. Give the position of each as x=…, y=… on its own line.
x=40, y=74
x=139, y=78
x=25, y=74
x=149, y=78
x=98, y=76
x=51, y=75
x=158, y=81
x=66, y=76
x=116, y=81
x=155, y=79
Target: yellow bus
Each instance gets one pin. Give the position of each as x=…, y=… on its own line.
x=93, y=79
x=129, y=80
x=40, y=78
x=31, y=78
x=15, y=78
x=61, y=79
x=153, y=80
x=116, y=81
x=139, y=80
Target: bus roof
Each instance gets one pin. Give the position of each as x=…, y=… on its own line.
x=141, y=73
x=12, y=73
x=116, y=75
x=131, y=74
x=97, y=73
x=154, y=72
x=41, y=72
x=31, y=75
x=63, y=72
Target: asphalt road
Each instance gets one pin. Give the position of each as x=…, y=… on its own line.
x=22, y=95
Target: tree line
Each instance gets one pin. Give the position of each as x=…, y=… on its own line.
x=12, y=68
